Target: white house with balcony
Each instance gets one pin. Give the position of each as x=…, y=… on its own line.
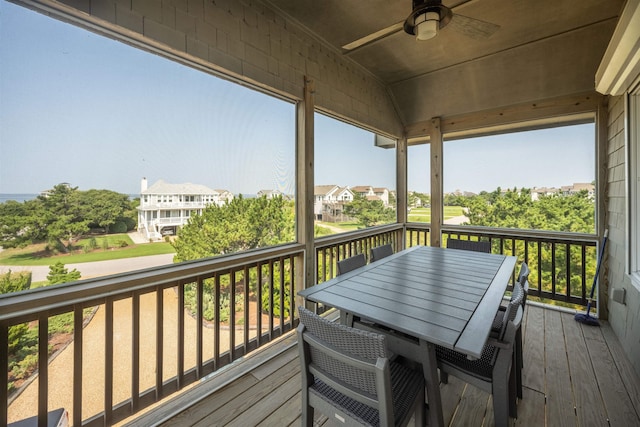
x=165, y=207
x=329, y=201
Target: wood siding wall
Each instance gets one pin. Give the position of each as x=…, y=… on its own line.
x=624, y=319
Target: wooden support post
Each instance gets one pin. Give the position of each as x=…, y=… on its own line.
x=435, y=135
x=305, y=276
x=401, y=188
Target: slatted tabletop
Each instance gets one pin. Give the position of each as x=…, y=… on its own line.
x=446, y=297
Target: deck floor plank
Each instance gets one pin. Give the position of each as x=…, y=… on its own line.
x=588, y=403
x=533, y=348
x=558, y=382
x=567, y=364
x=617, y=402
x=623, y=364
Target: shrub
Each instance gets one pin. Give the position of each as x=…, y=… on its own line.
x=118, y=227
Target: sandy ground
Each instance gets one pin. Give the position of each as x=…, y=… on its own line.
x=93, y=376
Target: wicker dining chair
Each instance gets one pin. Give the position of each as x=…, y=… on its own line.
x=494, y=372
x=351, y=263
x=380, y=252
x=498, y=321
x=469, y=245
x=348, y=376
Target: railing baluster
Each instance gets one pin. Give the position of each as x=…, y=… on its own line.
x=199, y=326
x=282, y=293
x=216, y=310
x=567, y=250
x=259, y=298
x=43, y=369
x=159, y=340
x=271, y=290
x=232, y=313
x=180, y=336
x=108, y=361
x=135, y=357
x=246, y=309
x=4, y=369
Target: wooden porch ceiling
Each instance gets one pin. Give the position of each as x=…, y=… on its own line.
x=541, y=49
x=574, y=374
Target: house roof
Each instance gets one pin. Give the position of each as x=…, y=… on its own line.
x=162, y=187
x=321, y=190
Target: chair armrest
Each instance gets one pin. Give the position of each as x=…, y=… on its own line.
x=500, y=344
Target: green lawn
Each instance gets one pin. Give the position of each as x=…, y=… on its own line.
x=424, y=214
x=34, y=254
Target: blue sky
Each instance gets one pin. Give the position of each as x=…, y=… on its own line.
x=80, y=108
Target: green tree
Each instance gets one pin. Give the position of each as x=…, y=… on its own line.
x=15, y=282
x=103, y=208
x=58, y=273
x=515, y=209
x=369, y=212
x=62, y=215
x=21, y=223
x=239, y=225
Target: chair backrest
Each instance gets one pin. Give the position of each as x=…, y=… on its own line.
x=512, y=308
x=351, y=263
x=469, y=245
x=523, y=276
x=353, y=362
x=381, y=252
x=523, y=279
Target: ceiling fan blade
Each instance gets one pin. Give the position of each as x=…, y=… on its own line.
x=473, y=28
x=374, y=36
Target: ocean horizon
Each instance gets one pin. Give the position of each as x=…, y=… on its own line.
x=23, y=197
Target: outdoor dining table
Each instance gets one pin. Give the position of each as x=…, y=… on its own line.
x=445, y=297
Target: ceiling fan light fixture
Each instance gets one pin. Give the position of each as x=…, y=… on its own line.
x=426, y=25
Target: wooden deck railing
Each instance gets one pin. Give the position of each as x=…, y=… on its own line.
x=173, y=318
x=178, y=332
x=331, y=249
x=562, y=264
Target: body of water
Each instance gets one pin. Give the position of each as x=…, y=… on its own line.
x=5, y=197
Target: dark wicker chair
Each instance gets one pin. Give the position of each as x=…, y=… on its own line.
x=523, y=280
x=381, y=252
x=494, y=371
x=348, y=376
x=469, y=245
x=351, y=263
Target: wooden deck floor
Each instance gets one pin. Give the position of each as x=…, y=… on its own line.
x=574, y=375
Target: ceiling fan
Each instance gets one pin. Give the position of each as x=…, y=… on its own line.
x=426, y=19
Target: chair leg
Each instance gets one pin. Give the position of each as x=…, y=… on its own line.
x=518, y=362
x=501, y=403
x=444, y=377
x=421, y=410
x=513, y=408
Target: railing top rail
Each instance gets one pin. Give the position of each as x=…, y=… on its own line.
x=518, y=233
x=333, y=239
x=31, y=302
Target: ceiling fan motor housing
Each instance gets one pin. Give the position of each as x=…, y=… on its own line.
x=421, y=7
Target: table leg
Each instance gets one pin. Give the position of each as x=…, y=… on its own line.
x=430, y=370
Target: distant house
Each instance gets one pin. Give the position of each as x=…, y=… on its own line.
x=165, y=207
x=329, y=202
x=565, y=190
x=270, y=194
x=372, y=193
